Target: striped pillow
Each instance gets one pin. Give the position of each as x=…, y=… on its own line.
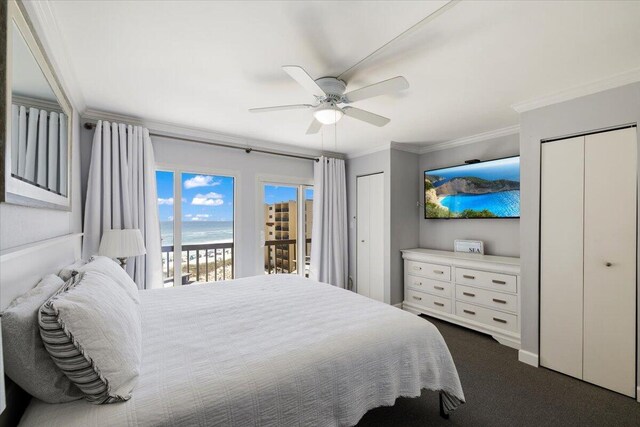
x=91, y=329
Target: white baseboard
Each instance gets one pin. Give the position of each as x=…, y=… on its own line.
x=638, y=394
x=528, y=358
x=398, y=305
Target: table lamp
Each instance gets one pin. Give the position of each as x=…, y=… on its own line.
x=122, y=244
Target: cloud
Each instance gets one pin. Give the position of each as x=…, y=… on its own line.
x=170, y=218
x=200, y=217
x=209, y=199
x=168, y=201
x=188, y=216
x=200, y=181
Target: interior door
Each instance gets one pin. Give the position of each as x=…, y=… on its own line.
x=376, y=236
x=362, y=248
x=610, y=239
x=561, y=255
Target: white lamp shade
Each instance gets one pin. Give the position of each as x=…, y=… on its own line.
x=122, y=243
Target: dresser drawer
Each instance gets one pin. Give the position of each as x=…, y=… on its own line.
x=431, y=286
x=497, y=281
x=489, y=317
x=435, y=271
x=487, y=298
x=428, y=301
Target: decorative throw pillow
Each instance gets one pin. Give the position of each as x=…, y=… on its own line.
x=68, y=271
x=26, y=361
x=112, y=269
x=91, y=328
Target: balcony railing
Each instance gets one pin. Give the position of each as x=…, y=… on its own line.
x=280, y=256
x=205, y=262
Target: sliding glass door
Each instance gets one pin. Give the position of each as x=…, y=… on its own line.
x=198, y=229
x=287, y=219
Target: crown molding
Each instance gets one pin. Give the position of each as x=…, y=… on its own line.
x=420, y=148
x=43, y=20
x=617, y=80
x=168, y=130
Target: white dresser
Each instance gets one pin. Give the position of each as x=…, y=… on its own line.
x=480, y=292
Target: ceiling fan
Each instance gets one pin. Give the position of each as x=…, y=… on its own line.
x=331, y=100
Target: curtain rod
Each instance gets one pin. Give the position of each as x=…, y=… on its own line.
x=89, y=125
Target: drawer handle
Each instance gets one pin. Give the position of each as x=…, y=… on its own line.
x=415, y=267
x=499, y=282
x=466, y=276
x=469, y=312
x=499, y=320
x=438, y=303
x=418, y=298
x=499, y=301
x=469, y=294
x=438, y=271
x=440, y=288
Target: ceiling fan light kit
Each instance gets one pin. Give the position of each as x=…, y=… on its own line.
x=328, y=114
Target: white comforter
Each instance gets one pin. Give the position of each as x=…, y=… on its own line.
x=268, y=351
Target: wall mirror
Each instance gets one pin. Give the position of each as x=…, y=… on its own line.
x=37, y=143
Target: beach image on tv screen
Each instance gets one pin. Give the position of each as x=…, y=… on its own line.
x=481, y=190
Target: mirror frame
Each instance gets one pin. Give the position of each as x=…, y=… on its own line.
x=13, y=190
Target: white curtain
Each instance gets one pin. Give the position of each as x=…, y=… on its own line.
x=39, y=147
x=329, y=257
x=121, y=194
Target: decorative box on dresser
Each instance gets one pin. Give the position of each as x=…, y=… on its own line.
x=480, y=292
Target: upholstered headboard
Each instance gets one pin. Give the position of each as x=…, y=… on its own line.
x=21, y=268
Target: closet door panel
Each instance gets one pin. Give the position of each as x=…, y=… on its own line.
x=561, y=255
x=362, y=245
x=376, y=236
x=610, y=236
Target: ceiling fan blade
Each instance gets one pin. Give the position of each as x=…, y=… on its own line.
x=314, y=127
x=304, y=79
x=366, y=116
x=377, y=89
x=280, y=108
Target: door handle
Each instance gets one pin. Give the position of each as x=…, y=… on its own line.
x=608, y=264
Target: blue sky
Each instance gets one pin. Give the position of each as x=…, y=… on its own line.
x=204, y=197
x=210, y=197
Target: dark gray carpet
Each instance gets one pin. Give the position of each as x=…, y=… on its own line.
x=501, y=391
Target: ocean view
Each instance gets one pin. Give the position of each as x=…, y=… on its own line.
x=194, y=232
x=501, y=204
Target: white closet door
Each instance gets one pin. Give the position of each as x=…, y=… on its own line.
x=376, y=237
x=370, y=236
x=561, y=255
x=610, y=260
x=363, y=273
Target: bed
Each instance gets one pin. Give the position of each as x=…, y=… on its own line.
x=269, y=350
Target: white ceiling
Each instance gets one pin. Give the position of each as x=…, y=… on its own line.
x=203, y=64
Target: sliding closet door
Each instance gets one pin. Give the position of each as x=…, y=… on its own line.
x=370, y=236
x=610, y=260
x=561, y=255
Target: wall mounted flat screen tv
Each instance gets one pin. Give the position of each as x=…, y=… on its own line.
x=488, y=189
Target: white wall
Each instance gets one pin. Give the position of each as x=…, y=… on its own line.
x=601, y=110
x=500, y=236
x=365, y=165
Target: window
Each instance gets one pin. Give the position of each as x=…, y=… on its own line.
x=288, y=230
x=199, y=226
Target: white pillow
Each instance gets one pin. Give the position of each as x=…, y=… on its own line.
x=112, y=269
x=91, y=329
x=26, y=361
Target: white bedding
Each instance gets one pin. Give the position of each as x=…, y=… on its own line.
x=274, y=350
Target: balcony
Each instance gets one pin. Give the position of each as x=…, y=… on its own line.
x=205, y=262
x=280, y=256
